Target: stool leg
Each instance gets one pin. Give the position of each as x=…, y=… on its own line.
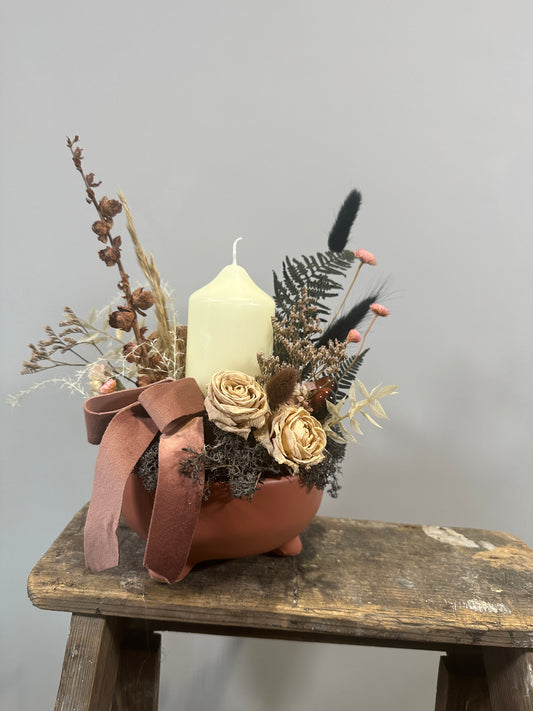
x=510, y=678
x=462, y=685
x=90, y=665
x=137, y=686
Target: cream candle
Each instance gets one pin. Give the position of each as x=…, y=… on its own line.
x=229, y=323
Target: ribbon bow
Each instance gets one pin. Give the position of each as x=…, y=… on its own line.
x=124, y=423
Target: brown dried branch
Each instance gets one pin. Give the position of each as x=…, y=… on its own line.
x=107, y=209
x=59, y=345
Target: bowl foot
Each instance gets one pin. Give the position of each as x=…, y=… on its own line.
x=293, y=547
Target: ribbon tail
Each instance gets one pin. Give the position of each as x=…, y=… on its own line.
x=177, y=504
x=123, y=442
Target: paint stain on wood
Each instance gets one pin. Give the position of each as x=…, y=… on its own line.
x=481, y=606
x=449, y=535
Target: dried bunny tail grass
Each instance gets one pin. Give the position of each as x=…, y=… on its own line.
x=281, y=386
x=152, y=274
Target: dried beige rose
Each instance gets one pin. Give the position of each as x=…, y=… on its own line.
x=296, y=438
x=236, y=402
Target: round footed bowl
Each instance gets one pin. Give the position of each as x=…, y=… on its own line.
x=234, y=528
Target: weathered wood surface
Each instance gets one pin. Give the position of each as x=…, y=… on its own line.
x=90, y=666
x=355, y=581
x=510, y=679
x=137, y=687
x=462, y=684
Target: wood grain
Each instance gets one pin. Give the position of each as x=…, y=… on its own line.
x=462, y=684
x=137, y=687
x=90, y=665
x=355, y=581
x=510, y=679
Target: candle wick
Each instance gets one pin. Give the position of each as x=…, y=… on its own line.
x=235, y=250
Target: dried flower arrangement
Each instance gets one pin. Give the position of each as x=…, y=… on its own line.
x=293, y=416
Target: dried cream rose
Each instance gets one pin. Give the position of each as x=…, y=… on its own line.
x=296, y=438
x=236, y=402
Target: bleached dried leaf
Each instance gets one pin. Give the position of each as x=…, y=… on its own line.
x=95, y=337
x=377, y=409
x=356, y=426
x=362, y=389
x=371, y=419
x=352, y=394
x=347, y=434
x=374, y=392
x=387, y=390
x=335, y=436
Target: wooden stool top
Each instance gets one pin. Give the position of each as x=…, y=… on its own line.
x=360, y=582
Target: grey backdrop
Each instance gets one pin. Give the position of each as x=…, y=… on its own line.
x=239, y=118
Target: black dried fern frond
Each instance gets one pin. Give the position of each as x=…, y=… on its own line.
x=340, y=232
x=348, y=372
x=317, y=272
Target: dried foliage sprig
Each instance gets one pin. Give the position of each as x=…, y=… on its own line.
x=162, y=352
x=348, y=370
x=126, y=317
x=334, y=425
x=75, y=384
x=317, y=273
x=150, y=271
x=294, y=346
x=74, y=334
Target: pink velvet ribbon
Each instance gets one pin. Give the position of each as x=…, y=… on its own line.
x=124, y=423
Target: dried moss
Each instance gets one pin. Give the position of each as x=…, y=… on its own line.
x=242, y=464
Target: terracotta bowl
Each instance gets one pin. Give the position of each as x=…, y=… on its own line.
x=233, y=528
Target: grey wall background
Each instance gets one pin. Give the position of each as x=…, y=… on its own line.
x=225, y=119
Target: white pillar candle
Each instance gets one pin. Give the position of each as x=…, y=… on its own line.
x=229, y=323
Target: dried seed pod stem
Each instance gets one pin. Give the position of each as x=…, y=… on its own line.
x=106, y=209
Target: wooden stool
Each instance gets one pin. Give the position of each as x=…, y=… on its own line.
x=464, y=592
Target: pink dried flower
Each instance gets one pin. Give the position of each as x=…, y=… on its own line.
x=353, y=336
x=379, y=310
x=109, y=386
x=365, y=257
